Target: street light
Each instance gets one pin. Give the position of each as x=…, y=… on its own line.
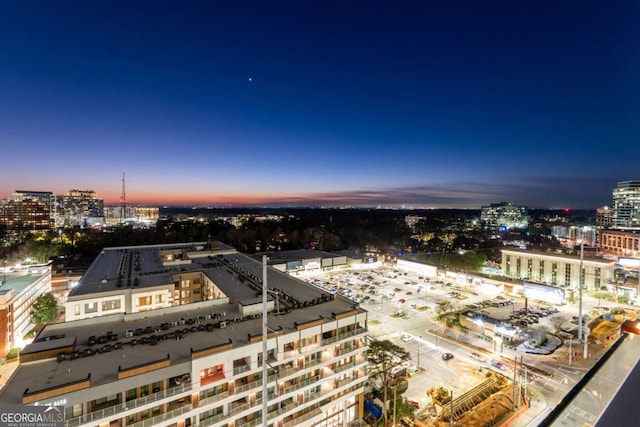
x=580, y=290
x=419, y=350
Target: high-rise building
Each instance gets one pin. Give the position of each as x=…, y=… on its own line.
x=506, y=215
x=626, y=205
x=604, y=217
x=28, y=210
x=80, y=208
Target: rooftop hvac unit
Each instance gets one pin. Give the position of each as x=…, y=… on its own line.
x=222, y=324
x=129, y=334
x=207, y=317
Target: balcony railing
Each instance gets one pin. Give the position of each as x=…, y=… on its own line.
x=121, y=407
x=240, y=369
x=154, y=421
x=214, y=398
x=246, y=387
x=254, y=422
x=305, y=417
x=212, y=420
x=301, y=384
x=344, y=335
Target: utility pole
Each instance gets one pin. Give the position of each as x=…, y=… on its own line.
x=265, y=378
x=580, y=291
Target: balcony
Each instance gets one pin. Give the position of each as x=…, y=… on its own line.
x=212, y=420
x=212, y=399
x=150, y=422
x=132, y=404
x=344, y=335
x=303, y=418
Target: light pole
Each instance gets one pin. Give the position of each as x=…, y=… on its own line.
x=419, y=350
x=580, y=290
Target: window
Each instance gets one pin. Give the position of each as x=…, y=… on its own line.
x=160, y=299
x=132, y=394
x=76, y=309
x=144, y=301
x=144, y=390
x=541, y=270
x=113, y=304
x=91, y=307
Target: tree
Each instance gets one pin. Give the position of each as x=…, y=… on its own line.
x=557, y=322
x=384, y=356
x=44, y=309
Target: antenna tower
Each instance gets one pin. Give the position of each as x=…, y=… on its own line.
x=123, y=200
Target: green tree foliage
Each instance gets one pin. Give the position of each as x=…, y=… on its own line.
x=467, y=261
x=384, y=356
x=44, y=309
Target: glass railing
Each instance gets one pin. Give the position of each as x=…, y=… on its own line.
x=254, y=422
x=212, y=420
x=150, y=422
x=299, y=385
x=214, y=398
x=241, y=369
x=247, y=387
x=131, y=404
x=302, y=418
x=344, y=335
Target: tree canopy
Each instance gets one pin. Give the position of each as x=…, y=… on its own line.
x=44, y=309
x=384, y=357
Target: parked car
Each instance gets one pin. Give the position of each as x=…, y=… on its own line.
x=406, y=337
x=447, y=356
x=477, y=356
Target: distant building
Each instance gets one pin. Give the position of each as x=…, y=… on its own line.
x=412, y=220
x=310, y=261
x=143, y=215
x=506, y=215
x=18, y=292
x=555, y=269
x=620, y=243
x=626, y=205
x=28, y=210
x=80, y=208
x=604, y=217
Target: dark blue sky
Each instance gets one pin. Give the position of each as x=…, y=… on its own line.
x=425, y=104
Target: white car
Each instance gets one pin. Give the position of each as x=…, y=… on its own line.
x=406, y=337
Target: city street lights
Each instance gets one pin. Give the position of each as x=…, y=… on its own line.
x=419, y=350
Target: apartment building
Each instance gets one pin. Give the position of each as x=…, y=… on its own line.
x=133, y=279
x=18, y=292
x=201, y=364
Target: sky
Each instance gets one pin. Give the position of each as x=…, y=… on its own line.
x=428, y=104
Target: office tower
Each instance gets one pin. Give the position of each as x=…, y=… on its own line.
x=28, y=210
x=506, y=215
x=626, y=205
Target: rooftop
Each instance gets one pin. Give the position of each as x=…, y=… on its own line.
x=101, y=348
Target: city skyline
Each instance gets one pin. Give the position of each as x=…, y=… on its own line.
x=321, y=104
